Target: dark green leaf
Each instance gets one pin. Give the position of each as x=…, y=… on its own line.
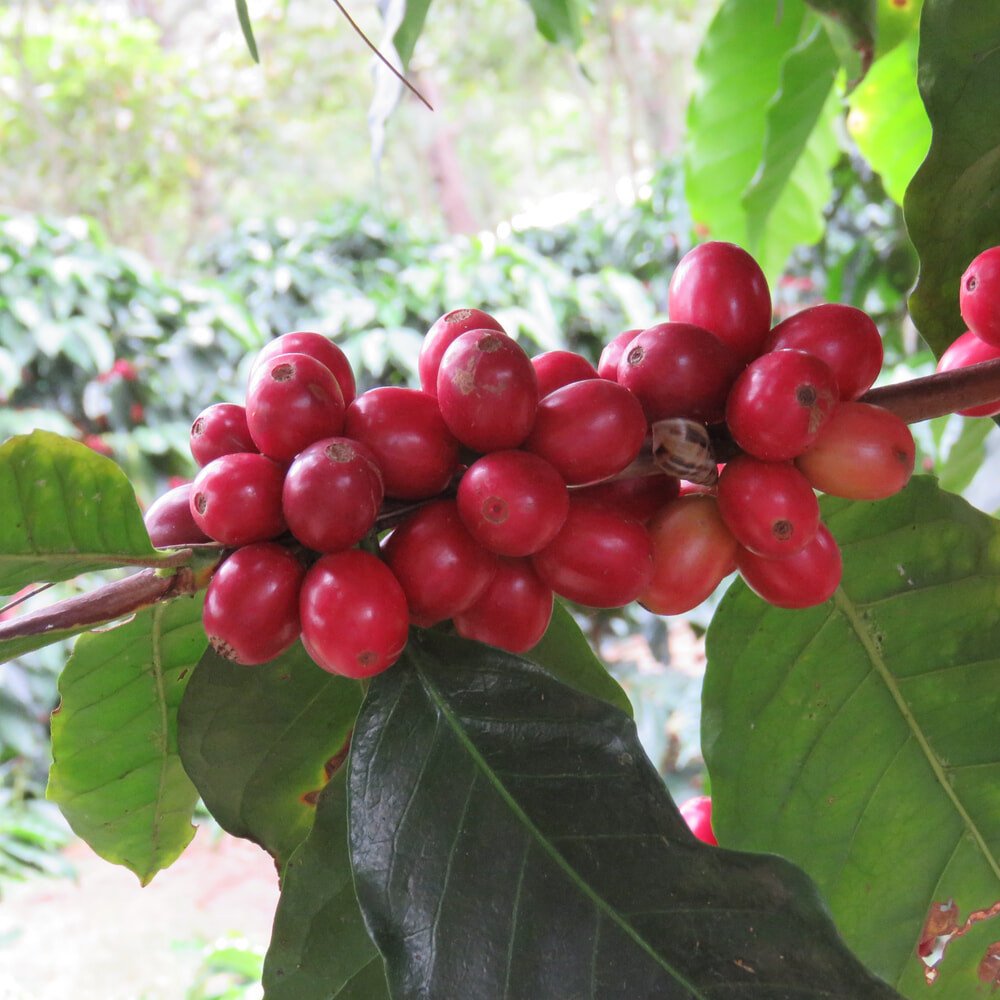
x=405, y=38
x=558, y=20
x=852, y=25
x=485, y=795
x=860, y=739
x=256, y=742
x=247, y=28
x=952, y=206
x=320, y=949
x=66, y=511
x=116, y=774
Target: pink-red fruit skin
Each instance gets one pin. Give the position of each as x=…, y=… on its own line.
x=169, y=521
x=220, y=429
x=355, y=622
x=324, y=350
x=439, y=337
x=697, y=813
x=607, y=365
x=970, y=350
x=637, y=497
x=554, y=369
x=236, y=499
x=979, y=296
x=802, y=580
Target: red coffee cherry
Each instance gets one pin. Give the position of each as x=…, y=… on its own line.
x=846, y=338
x=697, y=813
x=220, y=429
x=293, y=400
x=324, y=350
x=357, y=588
x=487, y=391
x=639, y=497
x=442, y=569
x=512, y=502
x=768, y=506
x=862, y=453
x=693, y=552
x=513, y=612
x=332, y=494
x=440, y=336
x=979, y=296
x=416, y=452
x=169, y=522
x=588, y=430
x=554, y=369
x=599, y=559
x=607, y=365
x=251, y=611
x=970, y=350
x=720, y=287
x=779, y=404
x=679, y=370
x=236, y=499
x=802, y=580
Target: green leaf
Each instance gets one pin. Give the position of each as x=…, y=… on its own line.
x=959, y=449
x=256, y=742
x=247, y=28
x=565, y=653
x=116, y=774
x=486, y=795
x=405, y=38
x=11, y=648
x=852, y=25
x=320, y=949
x=952, y=206
x=859, y=739
x=897, y=21
x=66, y=511
x=559, y=20
x=888, y=121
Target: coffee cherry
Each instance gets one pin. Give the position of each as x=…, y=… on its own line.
x=220, y=429
x=332, y=494
x=720, y=287
x=779, y=404
x=802, y=580
x=512, y=502
x=979, y=296
x=599, y=558
x=846, y=338
x=354, y=616
x=697, y=813
x=293, y=400
x=416, y=452
x=324, y=350
x=768, y=506
x=862, y=453
x=169, y=521
x=236, y=499
x=513, y=612
x=588, y=430
x=554, y=369
x=607, y=365
x=679, y=370
x=970, y=350
x=251, y=611
x=442, y=569
x=638, y=497
x=440, y=336
x=693, y=552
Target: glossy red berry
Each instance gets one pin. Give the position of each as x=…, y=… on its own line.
x=607, y=365
x=251, y=611
x=802, y=580
x=638, y=497
x=697, y=813
x=324, y=350
x=236, y=499
x=720, y=287
x=970, y=350
x=293, y=400
x=332, y=494
x=220, y=429
x=513, y=612
x=588, y=430
x=554, y=369
x=169, y=521
x=779, y=404
x=354, y=616
x=416, y=452
x=487, y=391
x=979, y=296
x=440, y=336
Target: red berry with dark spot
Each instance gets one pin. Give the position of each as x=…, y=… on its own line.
x=804, y=579
x=169, y=520
x=236, y=499
x=220, y=429
x=607, y=365
x=440, y=336
x=324, y=350
x=979, y=296
x=554, y=369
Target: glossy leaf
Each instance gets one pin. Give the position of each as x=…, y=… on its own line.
x=256, y=742
x=558, y=20
x=852, y=25
x=952, y=206
x=486, y=795
x=66, y=511
x=246, y=27
x=859, y=739
x=116, y=773
x=320, y=949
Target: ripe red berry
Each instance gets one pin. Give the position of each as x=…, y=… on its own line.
x=720, y=287
x=356, y=588
x=554, y=369
x=324, y=350
x=804, y=579
x=251, y=611
x=607, y=365
x=293, y=400
x=638, y=497
x=416, y=452
x=862, y=453
x=779, y=404
x=332, y=494
x=513, y=612
x=588, y=430
x=236, y=499
x=697, y=813
x=979, y=296
x=220, y=429
x=970, y=350
x=440, y=336
x=679, y=370
x=169, y=521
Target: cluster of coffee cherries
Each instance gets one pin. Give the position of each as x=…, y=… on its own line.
x=505, y=479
